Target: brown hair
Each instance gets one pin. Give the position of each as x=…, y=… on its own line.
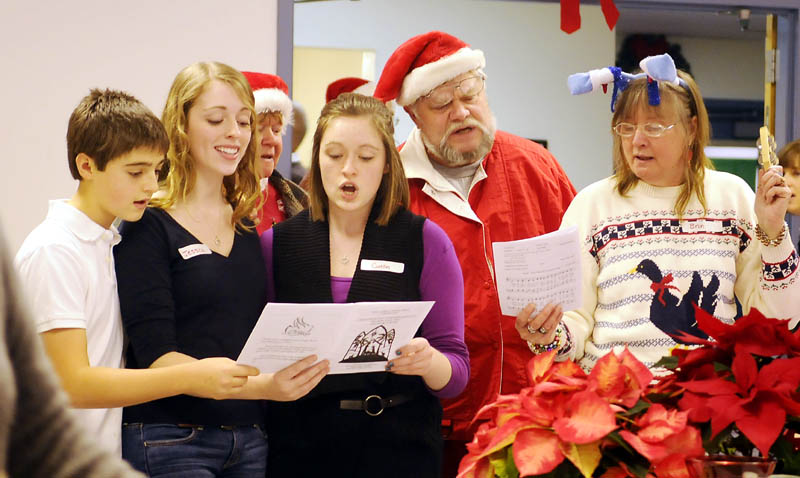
x=393, y=190
x=242, y=189
x=687, y=103
x=107, y=124
x=789, y=156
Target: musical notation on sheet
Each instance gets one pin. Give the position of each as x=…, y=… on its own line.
x=543, y=269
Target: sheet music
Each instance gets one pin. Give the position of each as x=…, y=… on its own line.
x=354, y=337
x=542, y=269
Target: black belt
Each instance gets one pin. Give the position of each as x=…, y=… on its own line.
x=374, y=404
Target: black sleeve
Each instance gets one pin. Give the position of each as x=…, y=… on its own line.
x=144, y=283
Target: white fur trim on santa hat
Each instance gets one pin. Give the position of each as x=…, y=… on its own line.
x=367, y=89
x=273, y=99
x=423, y=79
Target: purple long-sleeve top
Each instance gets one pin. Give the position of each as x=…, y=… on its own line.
x=441, y=281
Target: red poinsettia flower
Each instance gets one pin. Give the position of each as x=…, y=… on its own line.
x=756, y=400
x=620, y=379
x=724, y=384
x=565, y=415
x=666, y=440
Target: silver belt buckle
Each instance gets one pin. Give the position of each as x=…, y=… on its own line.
x=367, y=406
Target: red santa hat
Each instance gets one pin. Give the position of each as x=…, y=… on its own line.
x=423, y=63
x=271, y=94
x=349, y=84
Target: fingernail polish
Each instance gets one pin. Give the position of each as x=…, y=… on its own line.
x=398, y=352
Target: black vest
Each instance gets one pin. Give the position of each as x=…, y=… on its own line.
x=313, y=434
x=301, y=262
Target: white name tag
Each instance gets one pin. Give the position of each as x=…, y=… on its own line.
x=192, y=250
x=702, y=225
x=388, y=266
x=714, y=226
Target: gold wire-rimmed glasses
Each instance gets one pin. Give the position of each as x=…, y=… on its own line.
x=467, y=89
x=652, y=130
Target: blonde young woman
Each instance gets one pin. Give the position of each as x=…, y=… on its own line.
x=192, y=285
x=358, y=242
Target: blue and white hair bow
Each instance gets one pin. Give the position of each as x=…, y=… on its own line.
x=655, y=68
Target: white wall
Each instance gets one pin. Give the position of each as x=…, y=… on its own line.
x=725, y=68
x=528, y=59
x=54, y=52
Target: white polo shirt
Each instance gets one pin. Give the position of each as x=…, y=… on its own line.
x=66, y=268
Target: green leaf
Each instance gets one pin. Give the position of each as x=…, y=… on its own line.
x=503, y=462
x=640, y=406
x=668, y=362
x=788, y=460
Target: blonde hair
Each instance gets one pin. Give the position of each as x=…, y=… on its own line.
x=393, y=190
x=241, y=189
x=687, y=103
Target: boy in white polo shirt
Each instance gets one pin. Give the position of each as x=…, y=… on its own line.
x=116, y=148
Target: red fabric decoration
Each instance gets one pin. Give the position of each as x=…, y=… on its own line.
x=571, y=16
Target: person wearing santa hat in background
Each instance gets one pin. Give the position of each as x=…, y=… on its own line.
x=481, y=186
x=283, y=198
x=349, y=84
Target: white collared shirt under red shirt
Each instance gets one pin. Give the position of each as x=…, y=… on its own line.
x=519, y=191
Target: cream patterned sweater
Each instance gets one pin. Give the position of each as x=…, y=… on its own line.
x=643, y=267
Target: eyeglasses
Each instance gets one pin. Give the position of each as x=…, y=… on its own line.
x=652, y=130
x=467, y=90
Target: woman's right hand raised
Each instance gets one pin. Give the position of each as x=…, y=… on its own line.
x=296, y=380
x=218, y=377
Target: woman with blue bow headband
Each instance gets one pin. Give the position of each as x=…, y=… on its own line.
x=666, y=233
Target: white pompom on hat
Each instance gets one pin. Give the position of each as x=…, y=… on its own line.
x=424, y=62
x=271, y=94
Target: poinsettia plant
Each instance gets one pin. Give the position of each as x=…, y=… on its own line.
x=569, y=424
x=741, y=386
x=733, y=393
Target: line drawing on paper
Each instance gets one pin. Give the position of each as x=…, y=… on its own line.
x=372, y=346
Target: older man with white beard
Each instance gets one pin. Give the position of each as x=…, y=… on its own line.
x=481, y=186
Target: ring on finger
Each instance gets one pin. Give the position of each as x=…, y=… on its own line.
x=542, y=330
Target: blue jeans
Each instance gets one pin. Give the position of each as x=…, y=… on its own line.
x=172, y=451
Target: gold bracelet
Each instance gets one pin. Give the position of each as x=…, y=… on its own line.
x=764, y=238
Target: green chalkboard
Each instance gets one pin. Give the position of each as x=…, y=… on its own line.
x=744, y=168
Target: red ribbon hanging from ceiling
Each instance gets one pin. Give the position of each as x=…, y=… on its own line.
x=571, y=16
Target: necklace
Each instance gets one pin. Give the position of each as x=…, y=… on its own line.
x=343, y=257
x=217, y=240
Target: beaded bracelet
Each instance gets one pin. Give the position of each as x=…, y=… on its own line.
x=764, y=238
x=560, y=340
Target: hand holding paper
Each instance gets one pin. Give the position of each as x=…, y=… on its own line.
x=353, y=337
x=540, y=270
x=297, y=379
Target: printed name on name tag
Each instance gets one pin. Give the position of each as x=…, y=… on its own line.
x=702, y=225
x=192, y=250
x=388, y=266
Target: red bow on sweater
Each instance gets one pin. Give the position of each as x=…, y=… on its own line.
x=662, y=285
x=571, y=16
